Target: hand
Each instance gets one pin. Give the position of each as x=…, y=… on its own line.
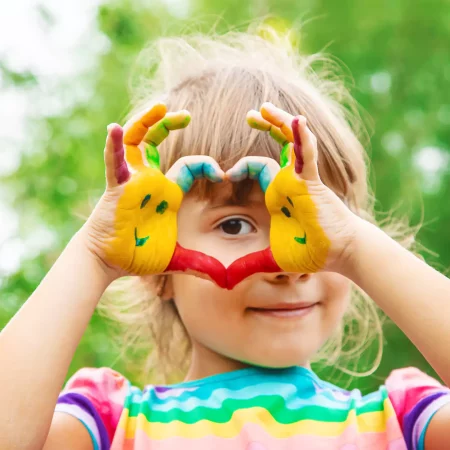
x=133, y=229
x=311, y=228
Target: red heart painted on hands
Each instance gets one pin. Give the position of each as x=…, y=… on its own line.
x=205, y=266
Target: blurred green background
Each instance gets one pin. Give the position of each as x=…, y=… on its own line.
x=397, y=52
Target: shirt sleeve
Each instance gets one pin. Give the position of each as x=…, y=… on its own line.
x=96, y=398
x=416, y=397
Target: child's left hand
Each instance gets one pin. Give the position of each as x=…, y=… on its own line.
x=311, y=228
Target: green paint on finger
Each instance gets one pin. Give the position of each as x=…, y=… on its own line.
x=161, y=208
x=152, y=155
x=185, y=122
x=284, y=156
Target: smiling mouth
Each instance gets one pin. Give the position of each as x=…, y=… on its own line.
x=139, y=242
x=286, y=311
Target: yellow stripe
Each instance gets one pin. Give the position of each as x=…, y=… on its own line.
x=373, y=422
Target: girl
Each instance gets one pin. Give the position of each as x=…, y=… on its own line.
x=258, y=278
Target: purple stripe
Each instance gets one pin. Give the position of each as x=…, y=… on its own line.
x=410, y=419
x=82, y=402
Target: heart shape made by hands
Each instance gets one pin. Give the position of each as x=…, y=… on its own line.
x=286, y=194
x=285, y=229
x=205, y=266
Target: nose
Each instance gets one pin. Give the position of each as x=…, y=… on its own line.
x=286, y=277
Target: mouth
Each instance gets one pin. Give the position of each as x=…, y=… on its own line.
x=285, y=310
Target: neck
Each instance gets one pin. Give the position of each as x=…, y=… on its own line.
x=206, y=362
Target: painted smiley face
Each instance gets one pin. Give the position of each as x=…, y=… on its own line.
x=146, y=217
x=286, y=211
x=294, y=224
x=160, y=209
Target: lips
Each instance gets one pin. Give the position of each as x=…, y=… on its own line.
x=205, y=266
x=286, y=306
x=284, y=310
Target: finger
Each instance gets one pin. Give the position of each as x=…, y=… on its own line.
x=285, y=154
x=305, y=149
x=135, y=131
x=256, y=168
x=116, y=168
x=171, y=121
x=256, y=120
x=190, y=168
x=160, y=130
x=279, y=118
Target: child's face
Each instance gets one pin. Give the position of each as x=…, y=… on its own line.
x=222, y=324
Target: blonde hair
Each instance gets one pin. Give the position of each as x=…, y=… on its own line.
x=218, y=79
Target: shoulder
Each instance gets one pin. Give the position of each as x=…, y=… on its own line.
x=96, y=382
x=420, y=402
x=103, y=376
x=410, y=377
x=101, y=390
x=409, y=385
x=96, y=397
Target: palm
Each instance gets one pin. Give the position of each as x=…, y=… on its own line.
x=133, y=229
x=145, y=231
x=309, y=224
x=297, y=240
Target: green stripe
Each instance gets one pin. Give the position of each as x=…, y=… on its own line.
x=274, y=404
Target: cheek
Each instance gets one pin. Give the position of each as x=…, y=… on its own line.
x=203, y=306
x=337, y=291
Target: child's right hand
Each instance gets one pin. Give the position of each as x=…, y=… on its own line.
x=133, y=228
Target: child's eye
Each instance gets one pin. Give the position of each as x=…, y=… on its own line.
x=236, y=226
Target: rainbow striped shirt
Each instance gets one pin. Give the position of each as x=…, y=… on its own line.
x=253, y=409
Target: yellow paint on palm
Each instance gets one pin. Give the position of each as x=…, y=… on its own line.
x=298, y=242
x=145, y=222
x=146, y=210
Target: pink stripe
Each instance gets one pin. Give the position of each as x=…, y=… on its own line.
x=253, y=437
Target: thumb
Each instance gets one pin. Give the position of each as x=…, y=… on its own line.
x=116, y=169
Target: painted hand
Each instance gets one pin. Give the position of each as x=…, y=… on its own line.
x=133, y=229
x=311, y=228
